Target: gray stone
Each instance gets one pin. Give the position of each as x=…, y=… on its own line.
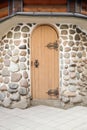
x=15, y=97
x=79, y=54
x=23, y=53
x=64, y=32
x=17, y=35
x=78, y=30
x=22, y=66
x=70, y=43
x=12, y=90
x=72, y=75
x=22, y=59
x=7, y=62
x=69, y=94
x=66, y=78
x=7, y=102
x=2, y=96
x=25, y=74
x=67, y=61
x=64, y=37
x=15, y=59
x=72, y=69
x=22, y=47
x=61, y=48
x=64, y=26
x=3, y=87
x=5, y=72
x=17, y=28
x=24, y=103
x=72, y=31
x=15, y=77
x=77, y=99
x=17, y=42
x=6, y=46
x=67, y=49
x=75, y=48
x=65, y=72
x=6, y=80
x=73, y=54
x=65, y=83
x=65, y=99
x=14, y=67
x=24, y=83
x=9, y=34
x=13, y=85
x=80, y=69
x=25, y=29
x=77, y=37
x=66, y=55
x=72, y=88
x=9, y=52
x=22, y=91
x=85, y=44
x=15, y=52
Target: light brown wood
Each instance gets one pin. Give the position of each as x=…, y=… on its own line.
x=44, y=77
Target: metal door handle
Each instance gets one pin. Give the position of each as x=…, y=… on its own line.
x=36, y=63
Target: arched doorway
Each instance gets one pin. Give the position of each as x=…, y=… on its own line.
x=44, y=59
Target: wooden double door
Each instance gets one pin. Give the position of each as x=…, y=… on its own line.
x=44, y=62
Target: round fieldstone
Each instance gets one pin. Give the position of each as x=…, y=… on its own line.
x=22, y=59
x=9, y=52
x=7, y=57
x=66, y=55
x=64, y=37
x=2, y=96
x=65, y=43
x=6, y=46
x=64, y=32
x=72, y=69
x=24, y=83
x=70, y=37
x=65, y=72
x=17, y=35
x=65, y=99
x=12, y=47
x=64, y=26
x=77, y=99
x=65, y=83
x=17, y=28
x=22, y=66
x=25, y=29
x=72, y=75
x=77, y=37
x=24, y=35
x=14, y=67
x=3, y=87
x=67, y=61
x=23, y=53
x=66, y=78
x=61, y=48
x=67, y=49
x=13, y=85
x=72, y=88
x=22, y=91
x=79, y=54
x=85, y=44
x=70, y=43
x=9, y=34
x=69, y=94
x=6, y=80
x=7, y=62
x=22, y=47
x=5, y=72
x=15, y=52
x=15, y=77
x=80, y=69
x=25, y=74
x=15, y=59
x=72, y=31
x=73, y=54
x=7, y=102
x=17, y=42
x=12, y=90
x=15, y=97
x=4, y=52
x=84, y=53
x=75, y=48
x=78, y=30
x=1, y=60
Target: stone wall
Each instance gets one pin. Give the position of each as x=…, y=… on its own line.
x=15, y=82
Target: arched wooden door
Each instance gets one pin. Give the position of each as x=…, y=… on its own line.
x=44, y=62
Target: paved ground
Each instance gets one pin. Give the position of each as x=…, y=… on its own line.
x=43, y=118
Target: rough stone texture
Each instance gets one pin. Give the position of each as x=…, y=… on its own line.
x=22, y=66
x=3, y=88
x=25, y=74
x=15, y=59
x=6, y=62
x=6, y=102
x=6, y=80
x=15, y=97
x=13, y=85
x=24, y=83
x=23, y=53
x=5, y=72
x=14, y=67
x=15, y=77
x=22, y=91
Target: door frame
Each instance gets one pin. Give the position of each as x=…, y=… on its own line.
x=56, y=29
